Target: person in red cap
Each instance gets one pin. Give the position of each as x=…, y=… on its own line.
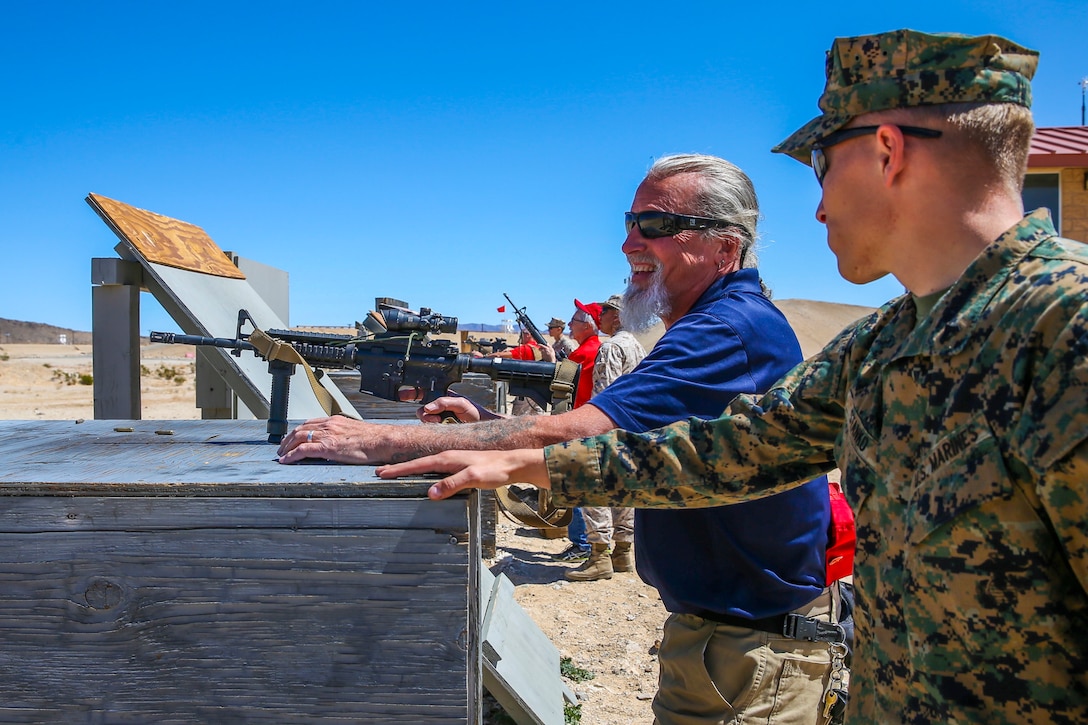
x=610, y=530
x=583, y=328
x=584, y=324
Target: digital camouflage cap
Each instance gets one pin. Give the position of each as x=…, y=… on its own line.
x=615, y=302
x=905, y=68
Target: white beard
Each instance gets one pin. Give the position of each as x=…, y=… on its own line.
x=643, y=307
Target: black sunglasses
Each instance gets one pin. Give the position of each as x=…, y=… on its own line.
x=656, y=224
x=819, y=159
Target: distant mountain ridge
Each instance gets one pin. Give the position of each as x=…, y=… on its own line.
x=815, y=323
x=38, y=333
x=479, y=327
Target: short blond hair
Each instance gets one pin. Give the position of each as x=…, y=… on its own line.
x=997, y=133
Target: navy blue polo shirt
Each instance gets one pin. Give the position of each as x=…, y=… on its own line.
x=754, y=559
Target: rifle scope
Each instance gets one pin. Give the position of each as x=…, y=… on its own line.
x=426, y=321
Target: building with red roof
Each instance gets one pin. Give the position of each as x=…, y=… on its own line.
x=1058, y=178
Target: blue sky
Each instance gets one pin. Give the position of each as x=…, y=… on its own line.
x=440, y=153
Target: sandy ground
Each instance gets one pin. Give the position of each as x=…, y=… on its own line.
x=52, y=382
x=609, y=628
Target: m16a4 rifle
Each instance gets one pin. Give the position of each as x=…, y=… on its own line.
x=534, y=331
x=396, y=360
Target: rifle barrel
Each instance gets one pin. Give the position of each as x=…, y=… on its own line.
x=171, y=338
x=503, y=369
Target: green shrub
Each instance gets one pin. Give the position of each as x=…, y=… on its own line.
x=568, y=669
x=167, y=372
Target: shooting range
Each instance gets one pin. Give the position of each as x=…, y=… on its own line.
x=173, y=571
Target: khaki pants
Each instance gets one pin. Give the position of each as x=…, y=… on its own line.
x=715, y=673
x=605, y=525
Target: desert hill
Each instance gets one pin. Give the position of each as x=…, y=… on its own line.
x=37, y=333
x=817, y=323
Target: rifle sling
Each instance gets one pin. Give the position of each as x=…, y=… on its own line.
x=516, y=502
x=273, y=349
x=563, y=386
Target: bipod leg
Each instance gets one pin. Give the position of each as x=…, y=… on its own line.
x=281, y=392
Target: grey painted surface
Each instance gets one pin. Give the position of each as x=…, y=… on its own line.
x=115, y=339
x=272, y=284
x=521, y=665
x=189, y=457
x=204, y=304
x=214, y=396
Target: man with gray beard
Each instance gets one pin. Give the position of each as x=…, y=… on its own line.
x=644, y=307
x=730, y=576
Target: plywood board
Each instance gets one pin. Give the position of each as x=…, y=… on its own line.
x=163, y=240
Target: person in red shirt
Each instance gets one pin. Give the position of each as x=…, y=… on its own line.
x=528, y=349
x=583, y=328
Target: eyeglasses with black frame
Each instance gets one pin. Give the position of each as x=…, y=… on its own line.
x=819, y=158
x=657, y=224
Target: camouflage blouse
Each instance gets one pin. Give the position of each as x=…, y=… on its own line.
x=962, y=441
x=618, y=356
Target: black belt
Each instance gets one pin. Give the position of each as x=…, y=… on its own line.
x=791, y=626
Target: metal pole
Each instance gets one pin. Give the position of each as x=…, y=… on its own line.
x=1083, y=85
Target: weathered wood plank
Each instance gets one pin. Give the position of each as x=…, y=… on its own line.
x=197, y=457
x=121, y=604
x=32, y=514
x=289, y=621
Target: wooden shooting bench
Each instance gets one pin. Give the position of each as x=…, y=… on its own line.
x=173, y=571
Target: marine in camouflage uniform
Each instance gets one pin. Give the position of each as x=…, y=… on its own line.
x=562, y=344
x=618, y=355
x=961, y=433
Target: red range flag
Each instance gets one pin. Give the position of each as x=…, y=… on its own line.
x=502, y=309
